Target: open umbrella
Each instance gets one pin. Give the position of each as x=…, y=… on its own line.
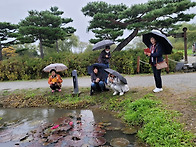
x=100, y=67
x=117, y=74
x=102, y=44
x=161, y=38
x=57, y=66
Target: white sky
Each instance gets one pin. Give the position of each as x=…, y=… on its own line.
x=15, y=10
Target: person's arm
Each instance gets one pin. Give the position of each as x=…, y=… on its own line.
x=59, y=79
x=50, y=80
x=159, y=51
x=93, y=78
x=117, y=81
x=109, y=56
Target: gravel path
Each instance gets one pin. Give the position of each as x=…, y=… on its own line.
x=179, y=82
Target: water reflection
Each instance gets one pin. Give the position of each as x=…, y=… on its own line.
x=22, y=121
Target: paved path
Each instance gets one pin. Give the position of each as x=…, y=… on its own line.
x=178, y=82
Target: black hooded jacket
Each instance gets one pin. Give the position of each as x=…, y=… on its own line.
x=103, y=59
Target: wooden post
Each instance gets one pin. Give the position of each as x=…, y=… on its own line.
x=138, y=64
x=167, y=61
x=185, y=45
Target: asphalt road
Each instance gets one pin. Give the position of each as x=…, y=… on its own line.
x=179, y=82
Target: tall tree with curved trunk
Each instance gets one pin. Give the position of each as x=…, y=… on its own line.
x=110, y=21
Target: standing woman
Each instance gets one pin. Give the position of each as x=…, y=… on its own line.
x=155, y=55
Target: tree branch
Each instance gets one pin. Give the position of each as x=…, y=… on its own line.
x=127, y=40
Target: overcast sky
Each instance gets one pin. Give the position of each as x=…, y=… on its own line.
x=15, y=10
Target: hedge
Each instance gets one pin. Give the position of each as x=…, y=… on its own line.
x=24, y=68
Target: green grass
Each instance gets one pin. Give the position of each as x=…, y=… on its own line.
x=159, y=126
x=189, y=51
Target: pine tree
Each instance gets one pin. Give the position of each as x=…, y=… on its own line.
x=45, y=26
x=8, y=34
x=110, y=21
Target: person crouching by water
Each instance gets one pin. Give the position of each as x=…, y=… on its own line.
x=116, y=85
x=97, y=81
x=156, y=57
x=55, y=81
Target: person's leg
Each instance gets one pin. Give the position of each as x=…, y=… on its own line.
x=119, y=89
x=58, y=86
x=113, y=88
x=107, y=65
x=102, y=85
x=155, y=74
x=52, y=86
x=93, y=86
x=158, y=80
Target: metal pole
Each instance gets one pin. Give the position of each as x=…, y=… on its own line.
x=75, y=82
x=185, y=45
x=138, y=64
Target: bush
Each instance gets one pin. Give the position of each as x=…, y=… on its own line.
x=24, y=68
x=158, y=125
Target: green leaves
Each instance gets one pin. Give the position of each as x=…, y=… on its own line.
x=159, y=127
x=155, y=14
x=45, y=26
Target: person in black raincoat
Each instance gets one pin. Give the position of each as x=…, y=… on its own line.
x=105, y=56
x=156, y=53
x=97, y=80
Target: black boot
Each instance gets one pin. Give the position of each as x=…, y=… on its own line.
x=91, y=92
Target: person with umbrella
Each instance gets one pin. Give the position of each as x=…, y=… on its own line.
x=105, y=56
x=97, y=80
x=155, y=54
x=117, y=82
x=55, y=81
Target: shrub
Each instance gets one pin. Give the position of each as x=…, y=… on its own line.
x=24, y=68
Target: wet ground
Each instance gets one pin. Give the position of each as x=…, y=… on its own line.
x=20, y=123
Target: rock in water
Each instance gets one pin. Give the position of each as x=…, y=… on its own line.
x=119, y=142
x=129, y=131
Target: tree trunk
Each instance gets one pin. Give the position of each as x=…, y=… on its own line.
x=126, y=41
x=41, y=49
x=57, y=46
x=1, y=56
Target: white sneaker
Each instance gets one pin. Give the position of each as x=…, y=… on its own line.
x=158, y=90
x=121, y=93
x=115, y=93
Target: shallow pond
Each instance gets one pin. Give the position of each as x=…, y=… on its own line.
x=18, y=124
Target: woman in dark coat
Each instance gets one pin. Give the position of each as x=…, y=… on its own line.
x=156, y=56
x=105, y=56
x=97, y=81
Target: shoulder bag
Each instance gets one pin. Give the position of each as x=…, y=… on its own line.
x=161, y=65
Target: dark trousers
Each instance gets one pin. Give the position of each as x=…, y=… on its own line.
x=157, y=77
x=55, y=86
x=98, y=86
